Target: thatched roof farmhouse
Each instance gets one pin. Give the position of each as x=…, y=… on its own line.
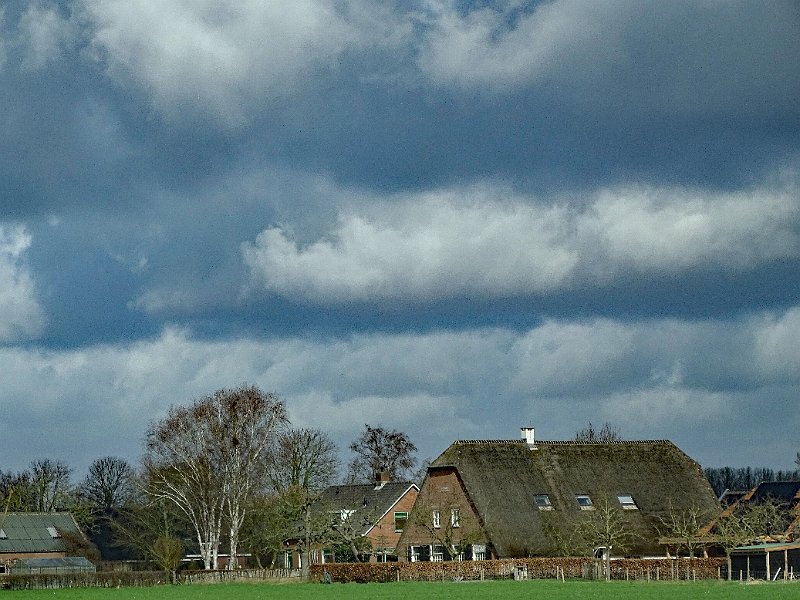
x=515, y=498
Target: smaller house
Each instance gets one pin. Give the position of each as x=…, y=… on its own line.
x=33, y=536
x=371, y=517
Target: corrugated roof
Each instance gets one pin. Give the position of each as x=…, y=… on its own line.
x=503, y=477
x=28, y=532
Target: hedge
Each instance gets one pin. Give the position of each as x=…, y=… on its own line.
x=113, y=579
x=528, y=568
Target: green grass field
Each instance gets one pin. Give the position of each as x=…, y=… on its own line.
x=489, y=590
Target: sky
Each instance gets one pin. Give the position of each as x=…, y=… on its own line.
x=452, y=218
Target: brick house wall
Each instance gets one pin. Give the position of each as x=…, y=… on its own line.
x=384, y=534
x=441, y=491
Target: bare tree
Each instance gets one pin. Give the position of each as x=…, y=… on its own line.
x=152, y=528
x=606, y=528
x=305, y=463
x=607, y=433
x=733, y=531
x=50, y=485
x=683, y=526
x=378, y=449
x=304, y=458
x=209, y=457
x=109, y=483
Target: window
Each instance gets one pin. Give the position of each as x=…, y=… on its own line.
x=3, y=535
x=345, y=513
x=53, y=532
x=419, y=553
x=400, y=519
x=438, y=554
x=543, y=502
x=437, y=519
x=584, y=502
x=478, y=551
x=627, y=502
x=455, y=518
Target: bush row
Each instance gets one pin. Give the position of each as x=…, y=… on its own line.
x=529, y=568
x=113, y=579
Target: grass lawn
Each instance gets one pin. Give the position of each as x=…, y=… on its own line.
x=489, y=590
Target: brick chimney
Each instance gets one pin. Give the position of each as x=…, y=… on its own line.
x=381, y=478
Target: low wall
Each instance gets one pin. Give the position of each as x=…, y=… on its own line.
x=528, y=568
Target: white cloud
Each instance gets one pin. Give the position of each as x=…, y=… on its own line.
x=478, y=47
x=21, y=316
x=466, y=242
x=219, y=58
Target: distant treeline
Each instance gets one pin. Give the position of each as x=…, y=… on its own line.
x=745, y=478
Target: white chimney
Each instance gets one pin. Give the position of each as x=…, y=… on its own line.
x=527, y=435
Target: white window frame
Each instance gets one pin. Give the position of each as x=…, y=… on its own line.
x=437, y=553
x=455, y=517
x=627, y=502
x=437, y=519
x=584, y=501
x=478, y=551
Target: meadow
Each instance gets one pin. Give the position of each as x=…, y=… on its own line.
x=488, y=590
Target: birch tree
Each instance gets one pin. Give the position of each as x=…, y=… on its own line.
x=209, y=457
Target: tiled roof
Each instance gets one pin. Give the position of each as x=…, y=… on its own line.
x=371, y=497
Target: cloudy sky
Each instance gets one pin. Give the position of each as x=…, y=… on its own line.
x=449, y=217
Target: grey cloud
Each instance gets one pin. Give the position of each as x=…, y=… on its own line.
x=439, y=386
x=692, y=58
x=44, y=34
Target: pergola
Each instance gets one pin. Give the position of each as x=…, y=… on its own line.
x=782, y=557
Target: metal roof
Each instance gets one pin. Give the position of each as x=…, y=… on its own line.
x=766, y=547
x=33, y=532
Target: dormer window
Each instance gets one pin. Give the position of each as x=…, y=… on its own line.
x=584, y=502
x=627, y=502
x=542, y=501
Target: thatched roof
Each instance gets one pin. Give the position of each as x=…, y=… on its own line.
x=503, y=477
